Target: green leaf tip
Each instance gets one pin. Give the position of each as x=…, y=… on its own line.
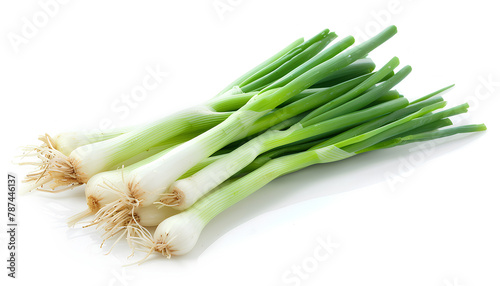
x=481, y=127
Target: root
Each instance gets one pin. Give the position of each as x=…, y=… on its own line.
x=73, y=220
x=164, y=247
x=117, y=217
x=54, y=171
x=171, y=199
x=93, y=203
x=93, y=206
x=144, y=241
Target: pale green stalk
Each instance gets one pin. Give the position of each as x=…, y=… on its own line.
x=149, y=182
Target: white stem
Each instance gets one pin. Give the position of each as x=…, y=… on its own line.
x=187, y=191
x=148, y=182
x=105, y=188
x=152, y=215
x=66, y=142
x=88, y=160
x=177, y=235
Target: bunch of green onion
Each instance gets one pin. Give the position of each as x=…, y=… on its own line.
x=315, y=101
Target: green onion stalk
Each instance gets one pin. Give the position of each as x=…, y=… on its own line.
x=178, y=234
x=105, y=190
x=147, y=184
x=156, y=177
x=71, y=159
x=183, y=193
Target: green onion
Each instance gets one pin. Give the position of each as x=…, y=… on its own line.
x=310, y=103
x=274, y=59
x=84, y=162
x=147, y=183
x=185, y=192
x=287, y=67
x=178, y=234
x=329, y=53
x=356, y=69
x=427, y=135
x=285, y=58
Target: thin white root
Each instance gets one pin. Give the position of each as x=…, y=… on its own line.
x=143, y=241
x=171, y=199
x=54, y=171
x=117, y=217
x=73, y=220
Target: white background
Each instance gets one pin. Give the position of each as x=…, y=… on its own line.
x=435, y=223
